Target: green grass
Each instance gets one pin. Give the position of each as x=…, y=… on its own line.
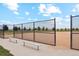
x=4, y=52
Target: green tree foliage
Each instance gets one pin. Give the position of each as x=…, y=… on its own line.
x=15, y=28
x=73, y=29
x=39, y=28
x=53, y=29
x=24, y=28
x=29, y=29
x=65, y=29
x=43, y=28
x=58, y=29
x=46, y=29
x=5, y=27
x=68, y=29
x=76, y=29
x=18, y=28
x=35, y=29
x=61, y=29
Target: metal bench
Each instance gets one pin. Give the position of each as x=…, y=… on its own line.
x=12, y=40
x=31, y=45
x=25, y=44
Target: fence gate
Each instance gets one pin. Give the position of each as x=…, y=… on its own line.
x=75, y=32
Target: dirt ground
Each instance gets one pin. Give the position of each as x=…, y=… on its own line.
x=75, y=41
x=39, y=37
x=62, y=38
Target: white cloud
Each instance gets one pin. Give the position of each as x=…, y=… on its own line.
x=32, y=19
x=48, y=9
x=53, y=9
x=12, y=5
x=62, y=22
x=73, y=14
x=27, y=13
x=76, y=8
x=52, y=17
x=46, y=14
x=15, y=12
x=42, y=8
x=73, y=10
x=5, y=22
x=67, y=16
x=59, y=20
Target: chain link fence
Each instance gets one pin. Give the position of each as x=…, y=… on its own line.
x=40, y=31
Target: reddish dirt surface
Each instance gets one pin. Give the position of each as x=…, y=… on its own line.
x=45, y=38
x=39, y=37
x=75, y=41
x=62, y=38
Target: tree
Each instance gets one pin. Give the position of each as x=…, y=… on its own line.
x=24, y=28
x=46, y=29
x=29, y=29
x=61, y=29
x=18, y=28
x=15, y=28
x=5, y=27
x=34, y=28
x=53, y=29
x=68, y=29
x=76, y=29
x=39, y=28
x=73, y=29
x=43, y=28
x=65, y=29
x=57, y=29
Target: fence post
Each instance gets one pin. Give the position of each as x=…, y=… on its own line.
x=71, y=31
x=22, y=30
x=3, y=31
x=23, y=43
x=33, y=31
x=13, y=31
x=54, y=31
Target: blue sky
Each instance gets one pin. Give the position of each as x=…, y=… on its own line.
x=28, y=12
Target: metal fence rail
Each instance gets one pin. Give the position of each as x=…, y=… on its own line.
x=39, y=31
x=75, y=32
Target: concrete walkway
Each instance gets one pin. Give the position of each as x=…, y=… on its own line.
x=18, y=49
